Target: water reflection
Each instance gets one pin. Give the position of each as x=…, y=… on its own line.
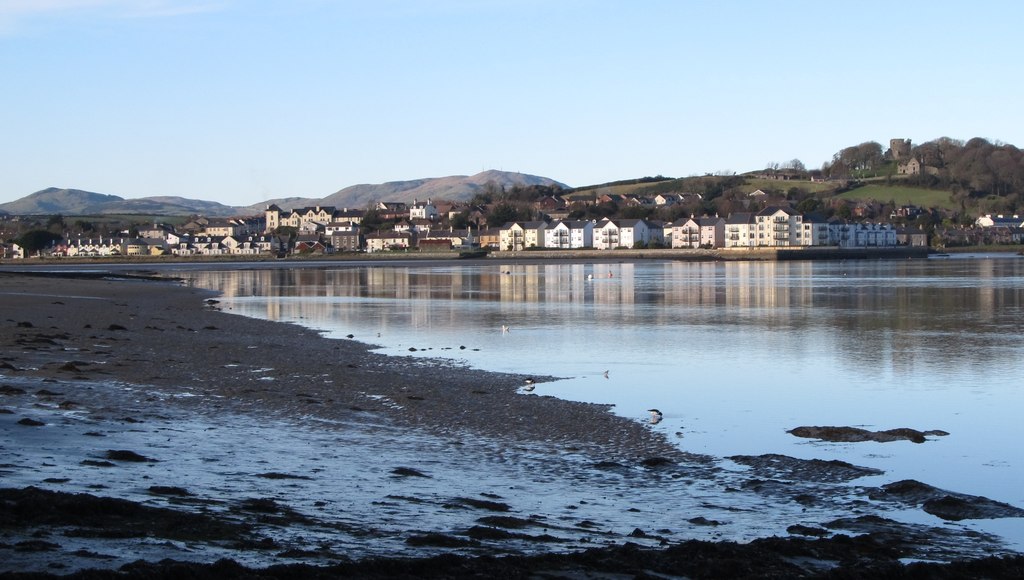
x=733, y=354
x=902, y=315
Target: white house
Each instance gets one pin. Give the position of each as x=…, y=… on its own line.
x=712, y=232
x=606, y=235
x=988, y=221
x=343, y=227
x=11, y=251
x=423, y=211
x=817, y=231
x=626, y=233
x=685, y=233
x=100, y=247
x=779, y=227
x=382, y=241
x=740, y=231
x=634, y=231
x=857, y=235
x=565, y=234
x=516, y=236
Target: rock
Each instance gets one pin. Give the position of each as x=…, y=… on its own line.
x=116, y=327
x=276, y=475
x=656, y=462
x=407, y=472
x=856, y=434
x=945, y=504
x=439, y=541
x=169, y=490
x=261, y=505
x=487, y=533
x=802, y=530
x=777, y=466
x=126, y=455
x=494, y=506
x=30, y=422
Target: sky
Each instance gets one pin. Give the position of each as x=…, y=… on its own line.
x=242, y=101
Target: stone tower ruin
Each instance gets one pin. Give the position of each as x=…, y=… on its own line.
x=899, y=149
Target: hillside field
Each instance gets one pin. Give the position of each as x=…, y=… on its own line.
x=901, y=195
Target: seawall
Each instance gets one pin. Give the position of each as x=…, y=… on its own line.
x=730, y=254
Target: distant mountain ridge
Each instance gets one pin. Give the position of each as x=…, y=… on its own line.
x=451, y=188
x=55, y=200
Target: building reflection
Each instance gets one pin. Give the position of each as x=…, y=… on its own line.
x=884, y=314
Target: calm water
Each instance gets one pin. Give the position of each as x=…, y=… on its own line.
x=733, y=354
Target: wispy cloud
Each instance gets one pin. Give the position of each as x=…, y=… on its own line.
x=14, y=13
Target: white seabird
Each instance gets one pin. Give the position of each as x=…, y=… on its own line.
x=656, y=416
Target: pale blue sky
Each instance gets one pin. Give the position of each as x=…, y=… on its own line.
x=240, y=101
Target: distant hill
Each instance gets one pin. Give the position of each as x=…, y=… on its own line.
x=283, y=203
x=55, y=200
x=452, y=188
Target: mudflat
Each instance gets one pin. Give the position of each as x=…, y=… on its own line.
x=150, y=431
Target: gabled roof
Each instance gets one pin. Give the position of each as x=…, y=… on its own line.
x=632, y=223
x=316, y=209
x=684, y=220
x=774, y=209
x=525, y=225
x=815, y=218
x=389, y=235
x=740, y=218
x=578, y=224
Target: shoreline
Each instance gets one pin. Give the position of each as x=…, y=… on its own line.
x=580, y=255
x=75, y=346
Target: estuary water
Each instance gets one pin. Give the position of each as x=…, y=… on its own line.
x=734, y=354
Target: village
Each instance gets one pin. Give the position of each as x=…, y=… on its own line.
x=426, y=227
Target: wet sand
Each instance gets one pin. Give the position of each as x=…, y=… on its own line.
x=95, y=374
